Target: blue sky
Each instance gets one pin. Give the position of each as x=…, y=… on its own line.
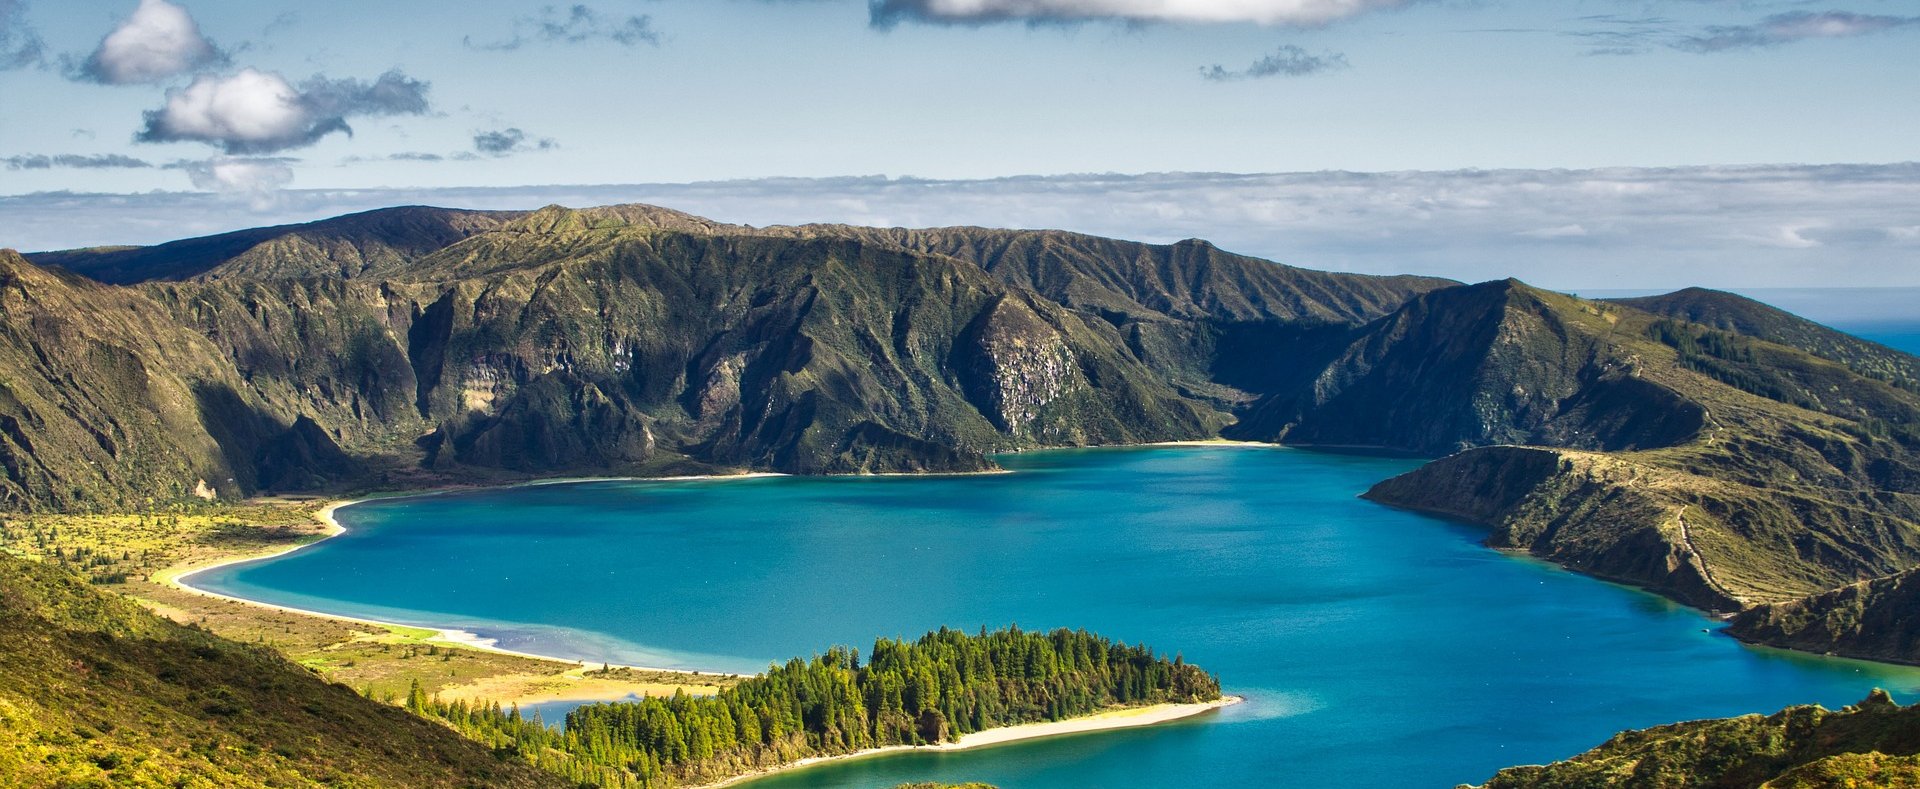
x=435, y=94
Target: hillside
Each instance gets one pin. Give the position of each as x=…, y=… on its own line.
x=108, y=401
x=1875, y=620
x=1719, y=469
x=1741, y=315
x=99, y=692
x=343, y=246
x=1706, y=446
x=631, y=339
x=1873, y=743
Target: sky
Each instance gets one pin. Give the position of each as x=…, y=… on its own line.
x=1574, y=143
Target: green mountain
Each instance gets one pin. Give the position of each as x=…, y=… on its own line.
x=344, y=246
x=108, y=401
x=1741, y=315
x=99, y=692
x=1720, y=469
x=1873, y=743
x=1699, y=444
x=632, y=339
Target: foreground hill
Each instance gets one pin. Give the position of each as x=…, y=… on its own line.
x=1873, y=743
x=99, y=692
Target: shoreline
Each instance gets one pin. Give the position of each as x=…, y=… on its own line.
x=1109, y=720
x=177, y=578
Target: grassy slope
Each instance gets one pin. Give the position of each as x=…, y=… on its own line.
x=100, y=693
x=1872, y=744
x=342, y=246
x=1768, y=498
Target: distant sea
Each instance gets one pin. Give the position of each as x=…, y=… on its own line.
x=1376, y=647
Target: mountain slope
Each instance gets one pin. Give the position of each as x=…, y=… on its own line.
x=1727, y=467
x=635, y=339
x=1873, y=743
x=1741, y=315
x=1737, y=471
x=1493, y=363
x=1874, y=620
x=99, y=692
x=343, y=246
x=107, y=402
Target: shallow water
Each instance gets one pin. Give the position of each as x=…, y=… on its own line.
x=1376, y=647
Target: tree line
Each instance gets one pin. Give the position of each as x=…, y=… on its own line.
x=937, y=689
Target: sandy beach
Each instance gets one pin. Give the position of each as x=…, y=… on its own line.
x=581, y=681
x=1124, y=718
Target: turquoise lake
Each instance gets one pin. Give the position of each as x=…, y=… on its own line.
x=1375, y=647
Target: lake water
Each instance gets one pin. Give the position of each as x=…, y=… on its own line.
x=1376, y=647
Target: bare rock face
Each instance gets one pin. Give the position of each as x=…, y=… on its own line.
x=1020, y=366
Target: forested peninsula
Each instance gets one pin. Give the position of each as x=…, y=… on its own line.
x=935, y=690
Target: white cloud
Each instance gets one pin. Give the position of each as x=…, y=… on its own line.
x=251, y=108
x=1264, y=12
x=260, y=112
x=157, y=42
x=1563, y=231
x=258, y=181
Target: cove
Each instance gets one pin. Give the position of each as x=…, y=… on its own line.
x=1376, y=647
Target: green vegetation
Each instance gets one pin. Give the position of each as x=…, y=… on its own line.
x=934, y=690
x=1724, y=471
x=1873, y=619
x=421, y=347
x=98, y=692
x=1875, y=743
x=1752, y=456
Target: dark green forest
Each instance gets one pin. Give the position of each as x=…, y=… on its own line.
x=943, y=686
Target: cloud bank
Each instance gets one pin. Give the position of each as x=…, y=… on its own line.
x=1764, y=226
x=1295, y=13
x=253, y=112
x=579, y=24
x=1287, y=61
x=158, y=42
x=104, y=161
x=1791, y=27
x=507, y=142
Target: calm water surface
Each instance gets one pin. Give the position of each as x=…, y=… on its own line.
x=1377, y=647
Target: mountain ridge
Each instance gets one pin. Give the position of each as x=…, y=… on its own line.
x=1750, y=460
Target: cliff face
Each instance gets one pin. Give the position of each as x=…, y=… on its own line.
x=107, y=401
x=1495, y=363
x=630, y=339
